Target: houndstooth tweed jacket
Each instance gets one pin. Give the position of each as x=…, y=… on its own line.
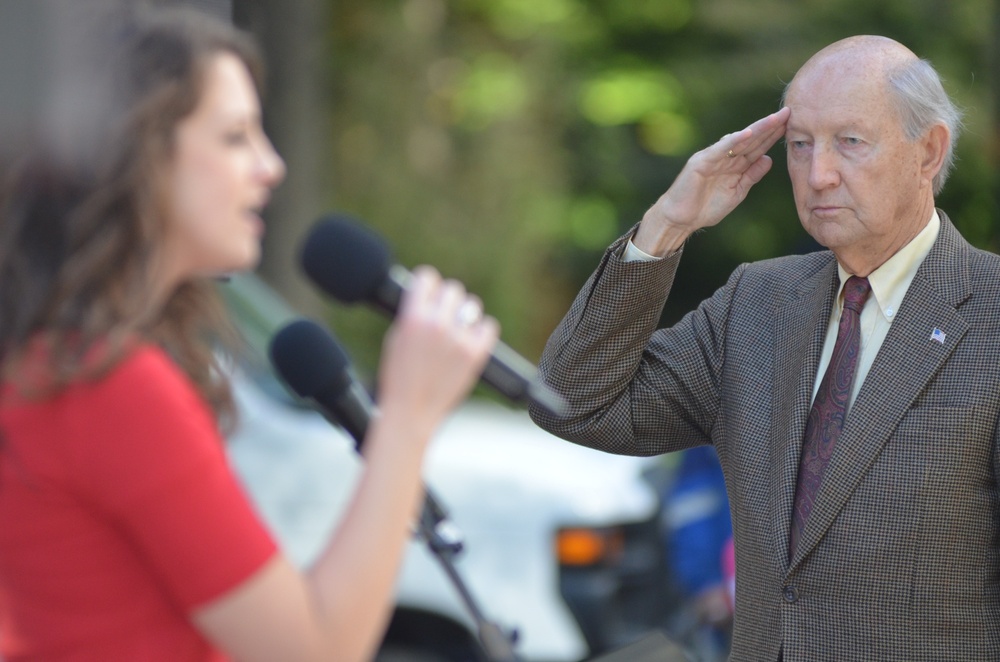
x=899, y=559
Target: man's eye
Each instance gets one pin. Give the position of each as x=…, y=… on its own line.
x=851, y=141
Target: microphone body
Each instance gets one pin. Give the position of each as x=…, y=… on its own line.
x=314, y=365
x=352, y=263
x=353, y=408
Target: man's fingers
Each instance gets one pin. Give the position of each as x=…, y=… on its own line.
x=752, y=142
x=731, y=145
x=758, y=169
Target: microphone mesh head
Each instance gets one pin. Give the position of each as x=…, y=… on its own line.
x=309, y=359
x=345, y=259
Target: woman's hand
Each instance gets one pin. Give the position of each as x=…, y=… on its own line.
x=435, y=351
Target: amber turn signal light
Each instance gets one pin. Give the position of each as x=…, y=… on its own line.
x=579, y=547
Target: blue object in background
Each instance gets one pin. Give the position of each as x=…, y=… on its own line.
x=697, y=521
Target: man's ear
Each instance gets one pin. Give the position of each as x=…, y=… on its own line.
x=935, y=142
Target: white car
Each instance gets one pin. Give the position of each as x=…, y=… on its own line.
x=561, y=544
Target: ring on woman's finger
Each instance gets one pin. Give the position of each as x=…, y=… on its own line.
x=731, y=154
x=468, y=313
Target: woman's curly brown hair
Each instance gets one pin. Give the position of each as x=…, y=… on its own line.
x=82, y=215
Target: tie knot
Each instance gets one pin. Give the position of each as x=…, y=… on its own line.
x=856, y=292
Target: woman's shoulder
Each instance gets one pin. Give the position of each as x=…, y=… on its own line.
x=144, y=372
x=137, y=367
x=143, y=361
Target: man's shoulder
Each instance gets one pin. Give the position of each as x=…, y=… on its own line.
x=984, y=260
x=952, y=244
x=787, y=272
x=984, y=274
x=984, y=265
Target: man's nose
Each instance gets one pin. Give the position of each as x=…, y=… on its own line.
x=824, y=168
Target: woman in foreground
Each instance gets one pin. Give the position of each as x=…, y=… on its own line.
x=123, y=533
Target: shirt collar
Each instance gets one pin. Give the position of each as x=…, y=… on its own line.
x=891, y=280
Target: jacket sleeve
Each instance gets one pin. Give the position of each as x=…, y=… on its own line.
x=632, y=389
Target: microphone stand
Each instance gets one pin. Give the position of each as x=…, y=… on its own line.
x=497, y=645
x=351, y=409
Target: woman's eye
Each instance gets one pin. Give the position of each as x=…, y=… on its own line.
x=236, y=138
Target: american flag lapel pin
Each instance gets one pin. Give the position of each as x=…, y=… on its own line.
x=938, y=335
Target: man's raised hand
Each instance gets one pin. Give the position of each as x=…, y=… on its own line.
x=712, y=184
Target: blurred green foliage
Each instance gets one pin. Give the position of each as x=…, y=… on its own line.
x=507, y=142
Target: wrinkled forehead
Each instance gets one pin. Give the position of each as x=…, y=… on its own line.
x=840, y=91
x=840, y=73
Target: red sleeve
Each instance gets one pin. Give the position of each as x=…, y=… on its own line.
x=154, y=462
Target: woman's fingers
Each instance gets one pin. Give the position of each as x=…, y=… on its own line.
x=437, y=347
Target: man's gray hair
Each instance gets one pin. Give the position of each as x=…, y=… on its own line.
x=921, y=103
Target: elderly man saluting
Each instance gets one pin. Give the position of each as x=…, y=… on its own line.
x=853, y=395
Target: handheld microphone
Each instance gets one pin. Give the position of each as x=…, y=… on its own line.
x=352, y=264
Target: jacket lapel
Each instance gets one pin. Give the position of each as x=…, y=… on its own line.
x=906, y=362
x=800, y=325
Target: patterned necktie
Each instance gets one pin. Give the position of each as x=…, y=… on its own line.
x=829, y=410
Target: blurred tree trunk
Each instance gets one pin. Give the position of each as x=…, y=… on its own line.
x=291, y=35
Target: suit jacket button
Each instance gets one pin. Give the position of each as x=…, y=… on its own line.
x=791, y=594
